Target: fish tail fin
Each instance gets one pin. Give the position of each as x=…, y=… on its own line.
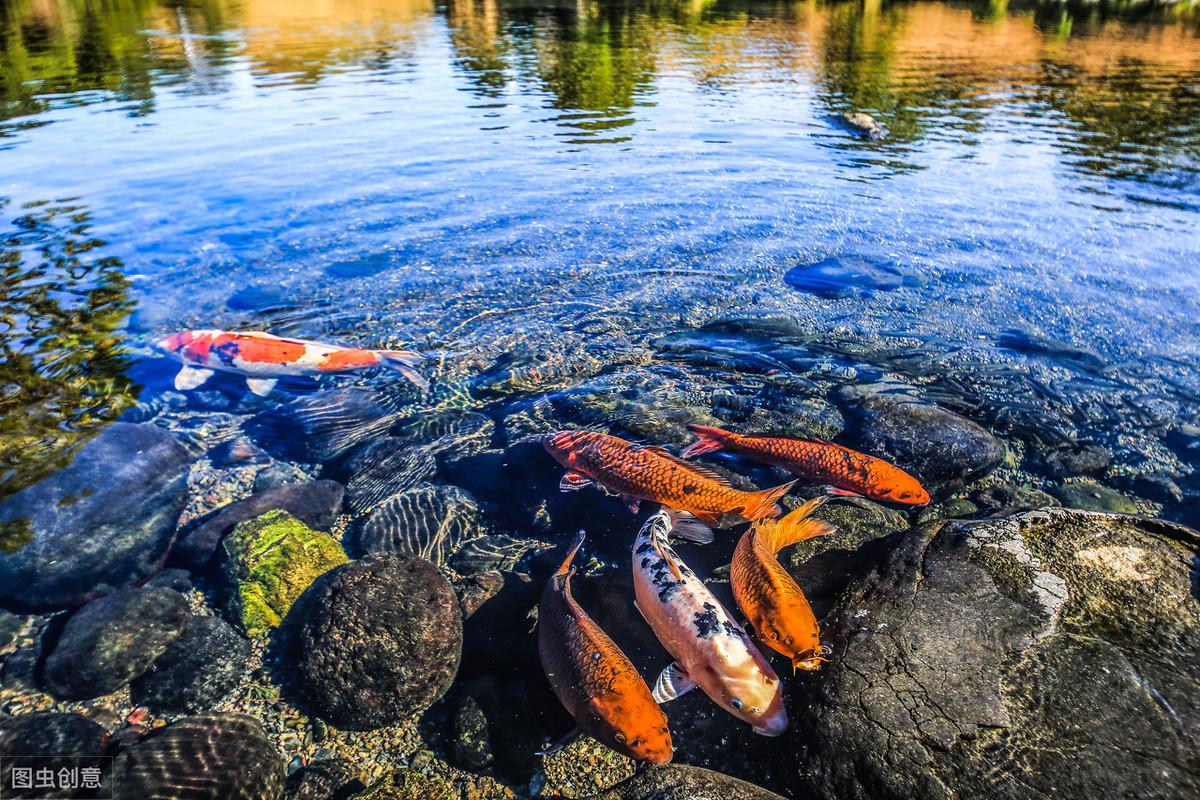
x=404, y=362
x=710, y=439
x=565, y=568
x=797, y=526
x=763, y=503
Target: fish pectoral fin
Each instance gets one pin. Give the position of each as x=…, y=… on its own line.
x=632, y=503
x=191, y=377
x=570, y=736
x=840, y=492
x=672, y=682
x=261, y=386
x=574, y=481
x=687, y=525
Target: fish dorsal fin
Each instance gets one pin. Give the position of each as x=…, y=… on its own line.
x=259, y=334
x=691, y=466
x=665, y=554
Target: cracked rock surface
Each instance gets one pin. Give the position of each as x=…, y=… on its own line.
x=1054, y=652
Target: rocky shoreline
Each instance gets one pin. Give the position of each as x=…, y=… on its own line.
x=330, y=596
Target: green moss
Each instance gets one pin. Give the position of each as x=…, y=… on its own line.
x=272, y=559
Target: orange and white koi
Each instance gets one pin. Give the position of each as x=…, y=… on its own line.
x=593, y=679
x=651, y=473
x=264, y=358
x=710, y=649
x=772, y=601
x=849, y=471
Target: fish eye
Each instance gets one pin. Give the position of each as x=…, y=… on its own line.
x=620, y=737
x=736, y=703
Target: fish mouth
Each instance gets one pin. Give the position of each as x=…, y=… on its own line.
x=776, y=726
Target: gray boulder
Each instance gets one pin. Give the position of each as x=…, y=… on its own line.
x=99, y=525
x=382, y=639
x=113, y=640
x=1052, y=653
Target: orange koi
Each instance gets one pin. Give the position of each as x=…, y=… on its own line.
x=651, y=473
x=772, y=601
x=593, y=679
x=264, y=358
x=817, y=460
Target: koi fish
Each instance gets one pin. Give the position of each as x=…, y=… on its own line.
x=264, y=358
x=710, y=649
x=593, y=679
x=817, y=460
x=778, y=611
x=651, y=473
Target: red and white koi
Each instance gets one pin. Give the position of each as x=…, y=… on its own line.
x=263, y=358
x=710, y=649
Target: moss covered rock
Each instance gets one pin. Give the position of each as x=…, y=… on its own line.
x=270, y=561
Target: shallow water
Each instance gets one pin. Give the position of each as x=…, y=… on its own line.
x=552, y=200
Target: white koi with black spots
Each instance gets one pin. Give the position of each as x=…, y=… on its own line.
x=710, y=649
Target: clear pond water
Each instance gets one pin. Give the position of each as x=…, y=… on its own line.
x=555, y=201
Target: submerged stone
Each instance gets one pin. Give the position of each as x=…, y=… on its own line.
x=325, y=779
x=851, y=275
x=113, y=640
x=198, y=669
x=315, y=503
x=221, y=755
x=1016, y=658
x=102, y=524
x=941, y=448
x=1091, y=496
x=433, y=522
x=270, y=561
x=382, y=639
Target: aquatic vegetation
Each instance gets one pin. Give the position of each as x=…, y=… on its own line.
x=271, y=560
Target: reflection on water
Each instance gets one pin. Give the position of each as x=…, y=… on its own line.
x=1123, y=76
x=62, y=357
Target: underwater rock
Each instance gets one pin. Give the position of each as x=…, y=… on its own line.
x=1029, y=343
x=382, y=639
x=386, y=466
x=1091, y=496
x=270, y=561
x=496, y=553
x=113, y=640
x=863, y=125
x=68, y=736
x=938, y=446
x=220, y=755
x=1015, y=658
x=1068, y=462
x=1002, y=499
x=278, y=473
x=428, y=521
x=684, y=782
x=472, y=745
x=315, y=503
x=99, y=525
x=850, y=275
x=177, y=580
x=321, y=426
x=326, y=779
x=199, y=668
